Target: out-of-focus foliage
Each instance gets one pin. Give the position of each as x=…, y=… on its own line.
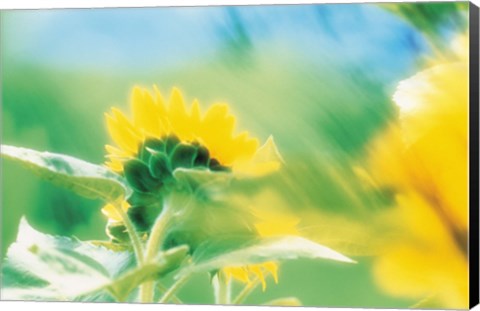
x=433, y=20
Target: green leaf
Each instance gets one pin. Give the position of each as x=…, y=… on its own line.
x=163, y=264
x=44, y=267
x=85, y=179
x=116, y=247
x=244, y=250
x=285, y=302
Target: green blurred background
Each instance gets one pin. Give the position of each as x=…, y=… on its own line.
x=317, y=78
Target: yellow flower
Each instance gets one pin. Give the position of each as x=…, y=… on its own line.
x=424, y=160
x=153, y=118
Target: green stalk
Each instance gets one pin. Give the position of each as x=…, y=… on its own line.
x=147, y=292
x=247, y=290
x=222, y=290
x=137, y=244
x=157, y=234
x=154, y=242
x=170, y=293
x=171, y=296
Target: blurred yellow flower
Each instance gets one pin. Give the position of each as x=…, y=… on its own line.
x=272, y=220
x=248, y=273
x=424, y=160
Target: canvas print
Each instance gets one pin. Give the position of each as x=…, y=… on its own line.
x=284, y=155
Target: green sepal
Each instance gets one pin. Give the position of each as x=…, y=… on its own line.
x=183, y=156
x=216, y=166
x=138, y=176
x=203, y=157
x=117, y=232
x=140, y=198
x=143, y=217
x=159, y=166
x=154, y=146
x=170, y=143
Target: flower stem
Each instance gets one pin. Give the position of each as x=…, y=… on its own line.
x=157, y=233
x=222, y=290
x=154, y=242
x=247, y=290
x=137, y=244
x=170, y=293
x=172, y=297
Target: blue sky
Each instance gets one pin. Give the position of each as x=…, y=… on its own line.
x=351, y=35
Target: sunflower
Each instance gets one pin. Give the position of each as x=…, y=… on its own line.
x=157, y=124
x=161, y=137
x=424, y=159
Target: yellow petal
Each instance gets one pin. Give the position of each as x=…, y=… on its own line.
x=195, y=118
x=216, y=132
x=115, y=165
x=111, y=212
x=114, y=152
x=217, y=116
x=272, y=267
x=121, y=135
x=255, y=269
x=266, y=160
x=162, y=111
x=238, y=273
x=243, y=147
x=145, y=113
x=125, y=123
x=178, y=116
